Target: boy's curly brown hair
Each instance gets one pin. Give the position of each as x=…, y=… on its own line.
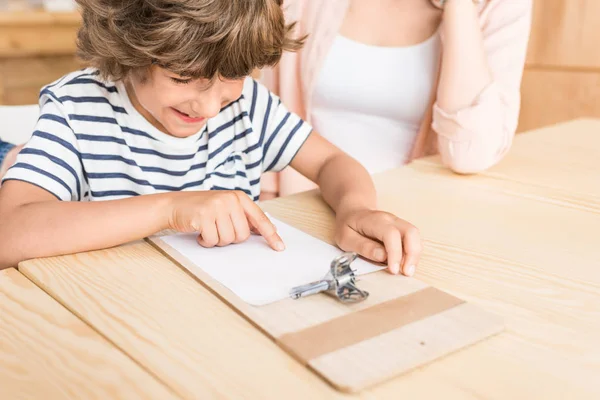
x=191, y=38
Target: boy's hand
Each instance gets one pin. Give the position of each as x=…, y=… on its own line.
x=221, y=218
x=381, y=237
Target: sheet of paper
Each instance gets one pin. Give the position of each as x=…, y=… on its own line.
x=256, y=273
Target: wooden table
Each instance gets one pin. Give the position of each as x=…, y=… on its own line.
x=520, y=240
x=47, y=352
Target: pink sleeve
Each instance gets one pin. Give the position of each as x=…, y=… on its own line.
x=269, y=181
x=271, y=78
x=477, y=137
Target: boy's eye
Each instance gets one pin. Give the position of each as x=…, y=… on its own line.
x=180, y=81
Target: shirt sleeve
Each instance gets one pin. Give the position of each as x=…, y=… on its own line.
x=475, y=138
x=282, y=132
x=51, y=159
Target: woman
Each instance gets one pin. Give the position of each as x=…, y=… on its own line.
x=389, y=81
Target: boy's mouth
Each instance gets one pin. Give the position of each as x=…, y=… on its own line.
x=187, y=118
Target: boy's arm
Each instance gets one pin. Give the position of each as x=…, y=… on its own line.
x=36, y=224
x=348, y=188
x=344, y=183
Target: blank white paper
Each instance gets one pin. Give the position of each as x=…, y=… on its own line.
x=256, y=273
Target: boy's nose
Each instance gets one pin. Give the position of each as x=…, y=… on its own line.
x=208, y=107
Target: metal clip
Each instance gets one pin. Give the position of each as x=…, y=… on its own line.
x=339, y=282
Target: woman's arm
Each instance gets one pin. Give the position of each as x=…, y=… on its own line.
x=465, y=70
x=478, y=99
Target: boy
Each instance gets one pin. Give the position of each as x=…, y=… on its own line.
x=167, y=131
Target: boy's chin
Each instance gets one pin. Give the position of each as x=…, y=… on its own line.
x=181, y=132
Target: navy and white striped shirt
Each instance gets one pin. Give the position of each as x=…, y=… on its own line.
x=91, y=144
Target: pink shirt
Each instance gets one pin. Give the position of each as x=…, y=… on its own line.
x=468, y=140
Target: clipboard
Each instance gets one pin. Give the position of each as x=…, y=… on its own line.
x=404, y=324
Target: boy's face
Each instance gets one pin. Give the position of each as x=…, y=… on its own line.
x=177, y=105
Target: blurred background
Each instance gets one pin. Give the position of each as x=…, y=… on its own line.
x=561, y=80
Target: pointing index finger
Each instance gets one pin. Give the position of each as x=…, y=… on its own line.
x=262, y=224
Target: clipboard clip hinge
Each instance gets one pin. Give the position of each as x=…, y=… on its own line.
x=339, y=282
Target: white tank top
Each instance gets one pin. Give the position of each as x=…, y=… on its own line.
x=369, y=100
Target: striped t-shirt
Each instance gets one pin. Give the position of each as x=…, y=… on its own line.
x=90, y=143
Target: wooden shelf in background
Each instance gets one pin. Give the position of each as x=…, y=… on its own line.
x=552, y=96
x=37, y=33
x=562, y=73
x=565, y=34
x=39, y=17
x=36, y=47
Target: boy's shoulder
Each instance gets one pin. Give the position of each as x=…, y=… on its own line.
x=254, y=103
x=256, y=97
x=253, y=88
x=78, y=86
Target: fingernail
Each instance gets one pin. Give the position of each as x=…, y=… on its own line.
x=395, y=268
x=379, y=254
x=410, y=270
x=279, y=246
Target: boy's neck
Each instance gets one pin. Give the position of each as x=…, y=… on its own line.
x=140, y=109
